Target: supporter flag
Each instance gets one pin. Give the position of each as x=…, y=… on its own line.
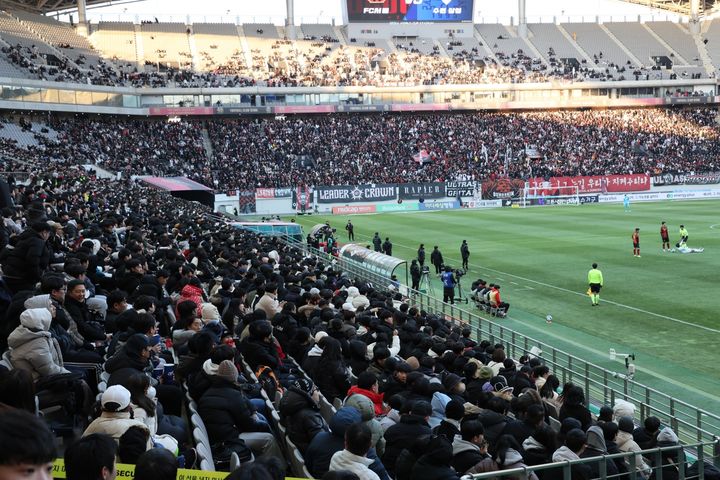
x=422, y=157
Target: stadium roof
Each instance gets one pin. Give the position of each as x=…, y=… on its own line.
x=678, y=6
x=47, y=6
x=681, y=7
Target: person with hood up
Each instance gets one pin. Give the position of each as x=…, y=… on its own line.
x=435, y=464
x=192, y=291
x=670, y=458
x=626, y=443
x=357, y=298
x=353, y=457
x=438, y=403
x=325, y=444
x=595, y=447
x=300, y=414
x=508, y=457
x=367, y=385
x=32, y=347
x=367, y=409
x=470, y=449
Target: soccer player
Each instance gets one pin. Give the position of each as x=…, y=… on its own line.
x=683, y=234
x=636, y=242
x=626, y=202
x=595, y=282
x=665, y=238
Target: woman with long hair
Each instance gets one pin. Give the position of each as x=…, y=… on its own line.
x=330, y=374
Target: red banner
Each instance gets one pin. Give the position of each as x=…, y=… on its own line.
x=264, y=193
x=353, y=209
x=594, y=184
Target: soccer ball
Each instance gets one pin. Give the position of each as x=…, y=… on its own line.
x=548, y=319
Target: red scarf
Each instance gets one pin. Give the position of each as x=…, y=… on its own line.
x=377, y=398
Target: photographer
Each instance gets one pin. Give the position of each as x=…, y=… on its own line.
x=449, y=282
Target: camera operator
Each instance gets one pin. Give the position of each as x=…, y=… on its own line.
x=449, y=282
x=415, y=275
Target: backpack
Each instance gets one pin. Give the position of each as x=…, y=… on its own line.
x=268, y=381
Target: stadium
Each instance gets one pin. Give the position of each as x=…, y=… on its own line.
x=373, y=239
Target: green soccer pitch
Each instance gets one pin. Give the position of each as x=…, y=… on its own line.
x=664, y=307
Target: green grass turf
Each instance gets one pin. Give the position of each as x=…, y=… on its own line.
x=663, y=306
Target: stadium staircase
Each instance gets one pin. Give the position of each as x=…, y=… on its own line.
x=340, y=35
x=245, y=46
x=193, y=51
x=588, y=58
x=139, y=48
x=207, y=144
x=704, y=55
x=678, y=59
x=622, y=46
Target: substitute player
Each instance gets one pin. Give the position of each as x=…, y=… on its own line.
x=664, y=237
x=626, y=202
x=636, y=242
x=595, y=282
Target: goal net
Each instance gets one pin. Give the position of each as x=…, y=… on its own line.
x=549, y=195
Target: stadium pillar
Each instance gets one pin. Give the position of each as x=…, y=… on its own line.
x=290, y=20
x=82, y=28
x=522, y=19
x=694, y=17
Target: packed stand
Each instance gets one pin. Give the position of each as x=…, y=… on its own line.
x=266, y=338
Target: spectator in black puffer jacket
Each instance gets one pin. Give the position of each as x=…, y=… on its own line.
x=330, y=374
x=229, y=415
x=24, y=264
x=300, y=414
x=258, y=347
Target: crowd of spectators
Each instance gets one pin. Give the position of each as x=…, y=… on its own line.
x=97, y=269
x=324, y=61
x=250, y=153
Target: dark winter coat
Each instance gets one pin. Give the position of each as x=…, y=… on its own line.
x=301, y=418
x=255, y=352
x=29, y=259
x=435, y=464
x=332, y=380
x=494, y=424
x=400, y=435
x=226, y=412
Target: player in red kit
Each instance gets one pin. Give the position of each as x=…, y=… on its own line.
x=636, y=242
x=665, y=237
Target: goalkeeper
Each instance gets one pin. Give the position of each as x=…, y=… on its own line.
x=595, y=282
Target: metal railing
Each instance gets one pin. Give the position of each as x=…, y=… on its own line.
x=706, y=455
x=602, y=386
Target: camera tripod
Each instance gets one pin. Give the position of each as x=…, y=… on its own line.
x=425, y=281
x=460, y=298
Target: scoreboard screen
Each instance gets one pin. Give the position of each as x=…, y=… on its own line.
x=385, y=11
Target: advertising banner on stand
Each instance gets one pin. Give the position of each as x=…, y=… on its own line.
x=440, y=205
x=302, y=198
x=416, y=191
x=462, y=188
x=502, y=188
x=593, y=184
x=710, y=178
x=353, y=209
x=358, y=193
x=268, y=193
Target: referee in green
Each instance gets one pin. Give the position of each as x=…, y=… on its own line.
x=595, y=281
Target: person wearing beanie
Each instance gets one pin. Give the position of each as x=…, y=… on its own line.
x=116, y=415
x=211, y=322
x=258, y=348
x=300, y=414
x=230, y=417
x=670, y=458
x=454, y=387
x=450, y=425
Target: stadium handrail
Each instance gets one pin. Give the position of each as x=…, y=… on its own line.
x=707, y=453
x=602, y=386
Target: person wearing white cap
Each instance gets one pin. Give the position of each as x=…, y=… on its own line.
x=116, y=415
